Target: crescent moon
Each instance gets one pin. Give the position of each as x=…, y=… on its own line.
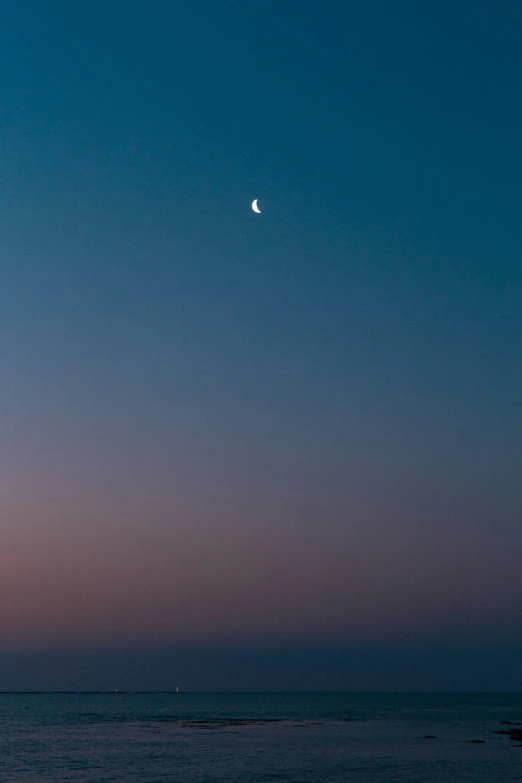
x=255, y=207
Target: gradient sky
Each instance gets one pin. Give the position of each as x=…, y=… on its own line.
x=295, y=434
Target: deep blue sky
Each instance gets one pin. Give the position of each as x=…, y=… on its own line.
x=220, y=428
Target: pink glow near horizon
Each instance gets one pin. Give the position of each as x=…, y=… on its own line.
x=77, y=568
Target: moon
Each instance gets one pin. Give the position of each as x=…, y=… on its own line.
x=255, y=207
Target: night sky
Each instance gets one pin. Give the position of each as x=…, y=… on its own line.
x=261, y=451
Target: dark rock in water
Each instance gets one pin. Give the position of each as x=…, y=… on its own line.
x=430, y=736
x=226, y=723
x=478, y=742
x=515, y=734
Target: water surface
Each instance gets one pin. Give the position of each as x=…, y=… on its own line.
x=244, y=738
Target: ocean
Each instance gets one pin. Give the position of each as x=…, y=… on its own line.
x=251, y=737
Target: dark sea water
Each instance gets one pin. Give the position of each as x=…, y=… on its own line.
x=242, y=738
